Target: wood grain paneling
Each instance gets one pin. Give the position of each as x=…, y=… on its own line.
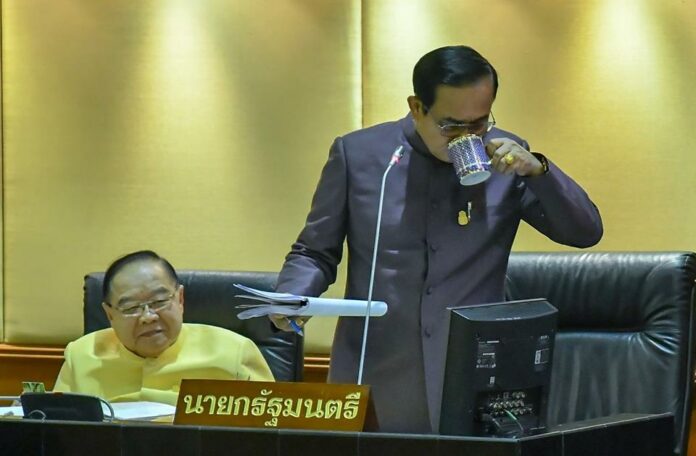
x=197, y=129
x=20, y=363
x=316, y=368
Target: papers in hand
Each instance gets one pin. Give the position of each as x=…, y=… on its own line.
x=289, y=304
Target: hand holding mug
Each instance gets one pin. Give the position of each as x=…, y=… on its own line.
x=508, y=157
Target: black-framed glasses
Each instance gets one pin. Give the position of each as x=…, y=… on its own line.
x=459, y=129
x=138, y=309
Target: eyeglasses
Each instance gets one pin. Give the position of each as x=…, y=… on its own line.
x=155, y=306
x=459, y=129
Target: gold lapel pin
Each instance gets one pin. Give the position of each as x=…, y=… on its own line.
x=464, y=217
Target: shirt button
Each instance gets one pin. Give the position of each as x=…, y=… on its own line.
x=426, y=332
x=429, y=290
x=433, y=205
x=433, y=247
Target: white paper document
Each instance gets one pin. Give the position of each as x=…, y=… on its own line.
x=15, y=410
x=267, y=302
x=140, y=410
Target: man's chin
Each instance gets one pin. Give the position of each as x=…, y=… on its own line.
x=441, y=155
x=152, y=346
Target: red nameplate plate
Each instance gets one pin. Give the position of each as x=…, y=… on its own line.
x=319, y=406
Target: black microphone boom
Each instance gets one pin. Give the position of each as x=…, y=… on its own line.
x=396, y=156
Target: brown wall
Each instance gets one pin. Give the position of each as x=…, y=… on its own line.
x=199, y=128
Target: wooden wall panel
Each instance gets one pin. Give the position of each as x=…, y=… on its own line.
x=603, y=87
x=194, y=128
x=28, y=363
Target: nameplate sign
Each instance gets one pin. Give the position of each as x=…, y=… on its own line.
x=318, y=406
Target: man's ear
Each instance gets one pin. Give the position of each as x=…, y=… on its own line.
x=108, y=311
x=181, y=297
x=415, y=105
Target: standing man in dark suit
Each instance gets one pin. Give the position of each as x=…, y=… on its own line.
x=430, y=256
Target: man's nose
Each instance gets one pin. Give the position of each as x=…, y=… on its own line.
x=148, y=315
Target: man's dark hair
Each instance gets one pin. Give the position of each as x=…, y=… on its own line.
x=450, y=65
x=141, y=255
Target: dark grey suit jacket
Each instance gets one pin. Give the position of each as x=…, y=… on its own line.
x=427, y=261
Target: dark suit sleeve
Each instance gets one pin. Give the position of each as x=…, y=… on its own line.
x=559, y=208
x=310, y=267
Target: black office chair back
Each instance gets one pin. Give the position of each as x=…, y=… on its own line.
x=625, y=340
x=210, y=299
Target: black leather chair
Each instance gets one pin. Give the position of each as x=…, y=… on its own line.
x=210, y=298
x=626, y=329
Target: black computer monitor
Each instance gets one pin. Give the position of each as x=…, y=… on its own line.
x=498, y=368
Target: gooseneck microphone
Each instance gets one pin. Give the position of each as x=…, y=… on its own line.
x=396, y=156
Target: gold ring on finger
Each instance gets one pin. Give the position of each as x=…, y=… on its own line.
x=509, y=158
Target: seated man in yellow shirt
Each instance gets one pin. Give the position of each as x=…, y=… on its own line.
x=148, y=350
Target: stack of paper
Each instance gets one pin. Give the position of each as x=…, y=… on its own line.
x=140, y=410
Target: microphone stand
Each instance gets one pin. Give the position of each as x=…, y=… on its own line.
x=396, y=156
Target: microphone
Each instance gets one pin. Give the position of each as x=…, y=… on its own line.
x=395, y=158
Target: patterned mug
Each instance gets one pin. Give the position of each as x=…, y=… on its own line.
x=471, y=163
